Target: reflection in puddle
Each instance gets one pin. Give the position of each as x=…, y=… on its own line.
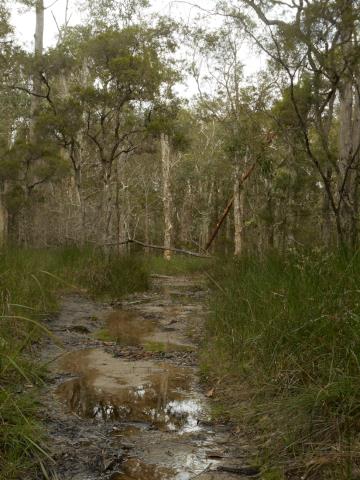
x=127, y=328
x=134, y=469
x=129, y=429
x=113, y=389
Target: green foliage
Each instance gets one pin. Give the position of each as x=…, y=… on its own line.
x=111, y=12
x=5, y=28
x=302, y=96
x=128, y=60
x=288, y=331
x=173, y=120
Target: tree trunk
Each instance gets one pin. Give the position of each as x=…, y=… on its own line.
x=349, y=120
x=4, y=219
x=146, y=223
x=239, y=197
x=38, y=51
x=326, y=227
x=106, y=202
x=167, y=197
x=355, y=193
x=345, y=152
x=186, y=215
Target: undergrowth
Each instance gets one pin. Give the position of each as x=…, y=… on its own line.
x=30, y=281
x=283, y=343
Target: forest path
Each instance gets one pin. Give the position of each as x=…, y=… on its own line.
x=132, y=409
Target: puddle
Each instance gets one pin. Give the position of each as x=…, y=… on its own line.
x=129, y=429
x=109, y=388
x=128, y=328
x=162, y=458
x=134, y=469
x=134, y=416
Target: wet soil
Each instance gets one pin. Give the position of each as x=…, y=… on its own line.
x=124, y=400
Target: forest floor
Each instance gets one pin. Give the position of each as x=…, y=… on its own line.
x=124, y=399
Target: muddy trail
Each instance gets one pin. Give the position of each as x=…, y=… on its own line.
x=124, y=400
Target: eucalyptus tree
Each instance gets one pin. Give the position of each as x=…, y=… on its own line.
x=116, y=14
x=170, y=124
x=319, y=41
x=38, y=53
x=235, y=105
x=127, y=74
x=100, y=114
x=6, y=53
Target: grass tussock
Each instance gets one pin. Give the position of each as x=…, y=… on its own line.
x=29, y=283
x=284, y=344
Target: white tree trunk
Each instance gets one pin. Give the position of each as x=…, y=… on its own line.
x=238, y=214
x=167, y=197
x=38, y=50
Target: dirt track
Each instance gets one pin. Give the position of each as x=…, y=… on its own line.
x=133, y=408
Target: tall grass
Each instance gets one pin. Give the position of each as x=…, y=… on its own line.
x=29, y=283
x=287, y=332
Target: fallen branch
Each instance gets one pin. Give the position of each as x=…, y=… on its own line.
x=158, y=247
x=246, y=471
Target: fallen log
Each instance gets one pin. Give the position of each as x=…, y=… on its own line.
x=158, y=247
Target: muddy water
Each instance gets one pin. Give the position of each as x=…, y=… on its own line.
x=127, y=328
x=109, y=388
x=130, y=407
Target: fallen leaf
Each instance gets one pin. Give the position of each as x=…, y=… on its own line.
x=210, y=393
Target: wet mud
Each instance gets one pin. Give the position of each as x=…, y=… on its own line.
x=125, y=403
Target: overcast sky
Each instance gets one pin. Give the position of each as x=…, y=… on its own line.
x=24, y=21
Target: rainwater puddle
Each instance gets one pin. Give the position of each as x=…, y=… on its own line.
x=109, y=388
x=134, y=469
x=127, y=328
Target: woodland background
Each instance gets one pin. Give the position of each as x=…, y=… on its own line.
x=97, y=147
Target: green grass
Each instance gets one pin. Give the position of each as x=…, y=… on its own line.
x=178, y=265
x=104, y=335
x=30, y=281
x=284, y=343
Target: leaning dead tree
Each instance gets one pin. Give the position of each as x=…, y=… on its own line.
x=229, y=205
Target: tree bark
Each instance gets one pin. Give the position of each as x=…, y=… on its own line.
x=167, y=196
